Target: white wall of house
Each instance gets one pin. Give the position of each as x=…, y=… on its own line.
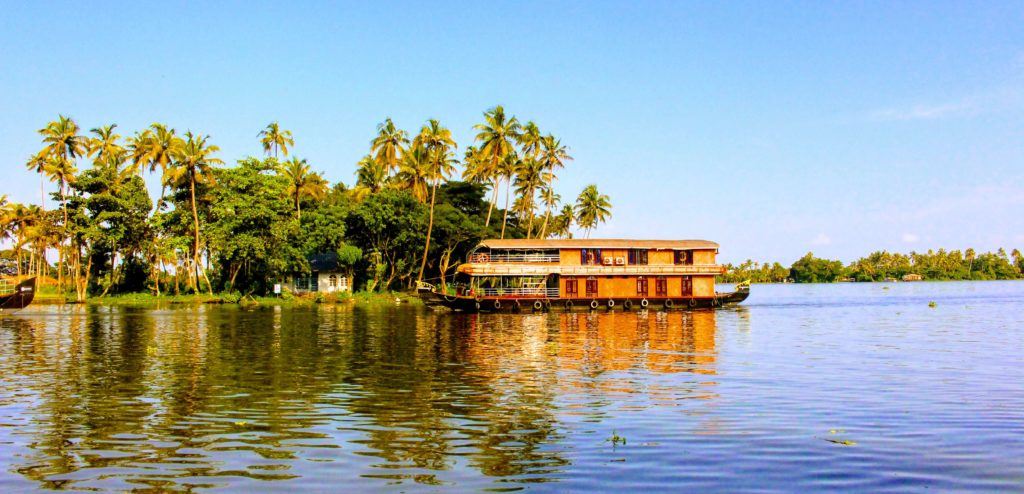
x=341, y=283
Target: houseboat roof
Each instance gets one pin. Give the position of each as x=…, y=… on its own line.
x=596, y=243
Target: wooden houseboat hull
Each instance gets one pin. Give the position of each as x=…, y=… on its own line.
x=18, y=297
x=528, y=304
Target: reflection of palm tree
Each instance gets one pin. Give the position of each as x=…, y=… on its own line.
x=439, y=144
x=194, y=164
x=497, y=135
x=273, y=138
x=592, y=207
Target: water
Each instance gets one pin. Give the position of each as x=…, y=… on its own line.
x=847, y=387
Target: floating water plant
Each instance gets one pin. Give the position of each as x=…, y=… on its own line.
x=932, y=304
x=616, y=439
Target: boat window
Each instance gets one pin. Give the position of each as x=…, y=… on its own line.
x=687, y=285
x=572, y=286
x=641, y=286
x=591, y=286
x=661, y=286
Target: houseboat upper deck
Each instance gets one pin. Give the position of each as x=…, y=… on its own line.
x=587, y=273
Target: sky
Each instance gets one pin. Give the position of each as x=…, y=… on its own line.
x=772, y=128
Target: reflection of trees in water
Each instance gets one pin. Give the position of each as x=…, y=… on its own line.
x=443, y=387
x=194, y=392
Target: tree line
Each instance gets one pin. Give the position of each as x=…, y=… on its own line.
x=938, y=265
x=244, y=227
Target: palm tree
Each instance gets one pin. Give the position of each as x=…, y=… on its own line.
x=497, y=135
x=476, y=167
x=371, y=176
x=274, y=138
x=194, y=164
x=507, y=169
x=37, y=163
x=550, y=199
x=530, y=140
x=301, y=182
x=554, y=155
x=389, y=144
x=592, y=208
x=565, y=219
x=105, y=144
x=529, y=177
x=439, y=144
x=156, y=147
x=414, y=172
x=63, y=172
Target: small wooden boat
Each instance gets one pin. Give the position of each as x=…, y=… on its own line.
x=532, y=274
x=15, y=294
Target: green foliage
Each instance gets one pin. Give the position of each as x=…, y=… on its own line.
x=755, y=272
x=810, y=269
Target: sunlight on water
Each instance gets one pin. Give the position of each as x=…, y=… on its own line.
x=853, y=387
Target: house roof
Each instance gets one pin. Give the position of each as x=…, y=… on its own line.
x=596, y=243
x=326, y=261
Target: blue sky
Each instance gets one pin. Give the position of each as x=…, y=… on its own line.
x=774, y=128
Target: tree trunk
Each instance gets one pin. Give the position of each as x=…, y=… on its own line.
x=494, y=200
x=195, y=253
x=430, y=228
x=508, y=185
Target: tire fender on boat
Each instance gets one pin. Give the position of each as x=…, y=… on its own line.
x=497, y=305
x=644, y=303
x=568, y=304
x=668, y=304
x=593, y=304
x=516, y=305
x=627, y=305
x=693, y=302
x=611, y=303
x=538, y=305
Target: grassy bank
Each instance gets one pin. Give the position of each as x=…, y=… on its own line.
x=287, y=300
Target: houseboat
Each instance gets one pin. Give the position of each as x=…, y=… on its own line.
x=585, y=274
x=16, y=293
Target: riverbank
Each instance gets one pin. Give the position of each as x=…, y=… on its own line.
x=287, y=300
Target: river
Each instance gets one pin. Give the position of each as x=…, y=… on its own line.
x=888, y=387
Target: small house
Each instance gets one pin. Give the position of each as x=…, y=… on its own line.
x=912, y=277
x=326, y=276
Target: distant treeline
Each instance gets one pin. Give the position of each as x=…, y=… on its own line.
x=882, y=265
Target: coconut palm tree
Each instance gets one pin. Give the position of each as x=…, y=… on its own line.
x=62, y=171
x=530, y=176
x=439, y=144
x=156, y=147
x=389, y=144
x=193, y=164
x=507, y=169
x=530, y=141
x=592, y=208
x=274, y=138
x=475, y=167
x=371, y=176
x=104, y=144
x=550, y=199
x=301, y=182
x=496, y=137
x=37, y=163
x=565, y=219
x=554, y=155
x=414, y=172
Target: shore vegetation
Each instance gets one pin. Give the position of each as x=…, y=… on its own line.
x=221, y=230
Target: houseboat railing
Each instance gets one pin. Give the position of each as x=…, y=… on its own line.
x=595, y=270
x=6, y=287
x=483, y=257
x=518, y=292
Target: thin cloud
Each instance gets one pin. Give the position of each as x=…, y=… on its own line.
x=821, y=239
x=1002, y=99
x=910, y=238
